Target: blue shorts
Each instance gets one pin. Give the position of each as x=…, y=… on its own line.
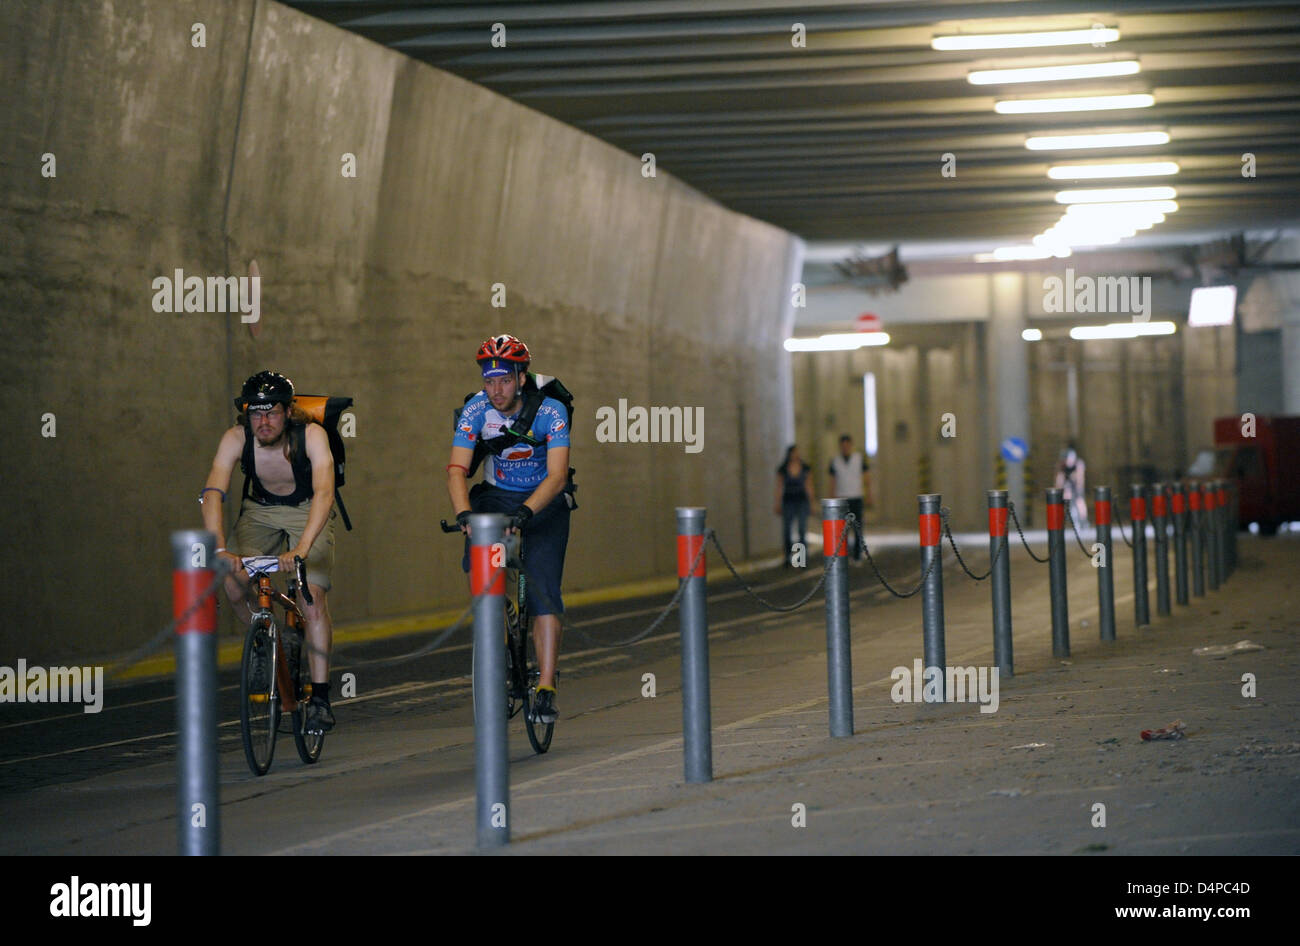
x=546, y=537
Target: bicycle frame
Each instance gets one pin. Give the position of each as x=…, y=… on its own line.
x=266, y=595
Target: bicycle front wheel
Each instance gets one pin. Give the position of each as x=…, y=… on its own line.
x=309, y=744
x=259, y=703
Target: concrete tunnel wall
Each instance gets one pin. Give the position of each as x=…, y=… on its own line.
x=379, y=286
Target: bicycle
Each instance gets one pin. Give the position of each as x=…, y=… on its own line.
x=522, y=672
x=266, y=696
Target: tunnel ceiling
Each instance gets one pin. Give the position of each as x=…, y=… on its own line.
x=842, y=139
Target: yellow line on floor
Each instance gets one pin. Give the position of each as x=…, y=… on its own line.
x=229, y=653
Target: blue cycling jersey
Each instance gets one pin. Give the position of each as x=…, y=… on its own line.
x=521, y=467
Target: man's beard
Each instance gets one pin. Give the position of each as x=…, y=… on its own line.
x=272, y=442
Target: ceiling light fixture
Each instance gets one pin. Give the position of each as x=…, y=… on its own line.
x=1081, y=172
x=1086, y=103
x=1115, y=194
x=1088, y=70
x=837, y=342
x=1123, y=330
x=1126, y=139
x=1095, y=36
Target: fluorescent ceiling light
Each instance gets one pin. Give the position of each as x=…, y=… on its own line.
x=1075, y=172
x=1085, y=103
x=1080, y=239
x=1134, y=207
x=1212, y=305
x=1032, y=335
x=1027, y=40
x=1127, y=139
x=1090, y=70
x=1115, y=194
x=1123, y=330
x=1021, y=252
x=837, y=342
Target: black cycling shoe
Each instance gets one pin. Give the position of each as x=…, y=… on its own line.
x=544, y=708
x=319, y=717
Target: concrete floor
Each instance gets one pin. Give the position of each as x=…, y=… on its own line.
x=398, y=775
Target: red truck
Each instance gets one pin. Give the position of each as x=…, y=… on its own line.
x=1265, y=466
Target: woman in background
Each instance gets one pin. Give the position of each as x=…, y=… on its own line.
x=794, y=499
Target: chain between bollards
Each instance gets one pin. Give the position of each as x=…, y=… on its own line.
x=881, y=578
x=944, y=513
x=1016, y=519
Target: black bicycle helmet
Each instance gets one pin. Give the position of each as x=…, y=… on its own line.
x=265, y=387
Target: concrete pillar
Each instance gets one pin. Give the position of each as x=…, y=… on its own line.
x=785, y=373
x=1008, y=361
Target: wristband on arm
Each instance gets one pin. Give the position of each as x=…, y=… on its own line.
x=215, y=490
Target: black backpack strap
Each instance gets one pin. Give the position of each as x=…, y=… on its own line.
x=246, y=462
x=343, y=510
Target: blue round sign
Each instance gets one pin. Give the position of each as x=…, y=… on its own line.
x=1014, y=450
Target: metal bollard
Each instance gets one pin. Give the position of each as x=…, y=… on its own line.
x=1001, y=581
x=1056, y=570
x=697, y=722
x=1195, y=501
x=1159, y=522
x=1234, y=524
x=1105, y=579
x=839, y=663
x=491, y=762
x=932, y=593
x=1137, y=506
x=1225, y=531
x=198, y=806
x=1180, y=542
x=1210, y=505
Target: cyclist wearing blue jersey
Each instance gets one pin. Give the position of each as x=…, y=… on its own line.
x=526, y=482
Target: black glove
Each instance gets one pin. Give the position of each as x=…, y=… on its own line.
x=462, y=519
x=520, y=518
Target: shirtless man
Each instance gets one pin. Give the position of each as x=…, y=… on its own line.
x=288, y=499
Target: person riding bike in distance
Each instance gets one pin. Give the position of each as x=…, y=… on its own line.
x=525, y=482
x=288, y=497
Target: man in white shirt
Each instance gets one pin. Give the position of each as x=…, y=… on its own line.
x=850, y=480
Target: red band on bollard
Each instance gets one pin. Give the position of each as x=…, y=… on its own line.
x=1194, y=499
x=688, y=546
x=1101, y=512
x=997, y=522
x=1223, y=497
x=929, y=528
x=481, y=569
x=1137, y=509
x=1055, y=516
x=1158, y=506
x=186, y=588
x=1178, y=504
x=832, y=530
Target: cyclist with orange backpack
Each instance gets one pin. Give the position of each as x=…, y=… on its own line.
x=524, y=437
x=288, y=497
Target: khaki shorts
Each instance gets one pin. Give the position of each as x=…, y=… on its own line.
x=273, y=530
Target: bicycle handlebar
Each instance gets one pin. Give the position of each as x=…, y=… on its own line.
x=266, y=564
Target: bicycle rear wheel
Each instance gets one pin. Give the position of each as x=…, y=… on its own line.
x=309, y=744
x=259, y=703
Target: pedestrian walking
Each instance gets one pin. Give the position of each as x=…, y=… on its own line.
x=794, y=500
